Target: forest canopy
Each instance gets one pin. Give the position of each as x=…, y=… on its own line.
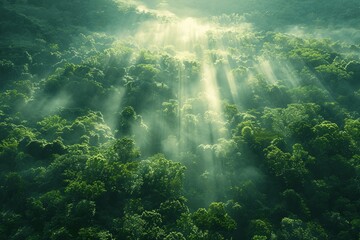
x=179, y=120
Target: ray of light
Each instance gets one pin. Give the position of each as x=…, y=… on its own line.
x=200, y=121
x=211, y=90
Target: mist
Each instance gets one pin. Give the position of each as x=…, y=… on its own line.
x=163, y=119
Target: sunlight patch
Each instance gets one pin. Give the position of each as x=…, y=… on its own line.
x=183, y=35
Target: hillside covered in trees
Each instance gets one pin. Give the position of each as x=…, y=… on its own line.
x=179, y=120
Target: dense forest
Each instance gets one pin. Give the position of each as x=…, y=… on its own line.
x=178, y=120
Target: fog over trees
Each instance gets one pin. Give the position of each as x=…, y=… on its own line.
x=176, y=120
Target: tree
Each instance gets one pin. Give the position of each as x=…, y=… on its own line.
x=295, y=204
x=162, y=179
x=94, y=233
x=283, y=120
x=171, y=210
x=215, y=219
x=12, y=101
x=125, y=150
x=60, y=233
x=78, y=189
x=81, y=214
x=295, y=229
x=72, y=134
x=259, y=228
x=335, y=74
x=97, y=168
x=14, y=189
x=310, y=56
x=127, y=118
x=7, y=69
x=175, y=236
x=52, y=126
x=146, y=226
x=290, y=168
x=133, y=226
x=330, y=140
x=9, y=223
x=352, y=127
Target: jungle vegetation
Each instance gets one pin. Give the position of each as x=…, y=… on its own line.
x=179, y=119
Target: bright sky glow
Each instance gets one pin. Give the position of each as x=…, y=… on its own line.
x=184, y=35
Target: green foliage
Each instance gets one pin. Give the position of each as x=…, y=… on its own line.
x=175, y=236
x=283, y=120
x=297, y=229
x=125, y=150
x=161, y=178
x=127, y=118
x=52, y=125
x=295, y=204
x=7, y=69
x=352, y=127
x=259, y=229
x=93, y=233
x=330, y=140
x=291, y=168
x=61, y=233
x=83, y=190
x=310, y=56
x=257, y=103
x=214, y=219
x=171, y=210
